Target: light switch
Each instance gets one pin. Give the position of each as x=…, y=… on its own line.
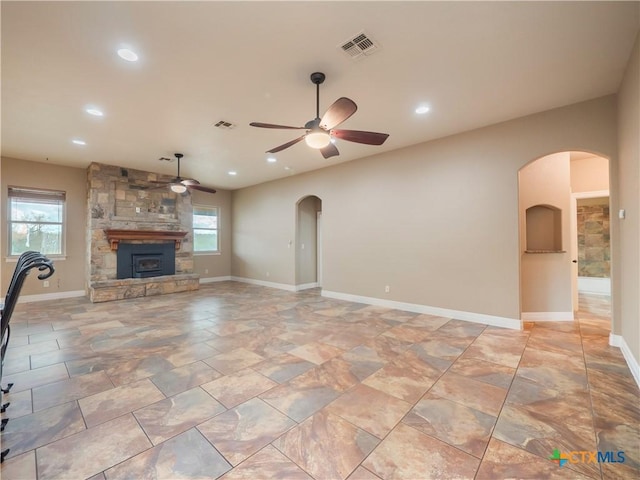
x=621, y=213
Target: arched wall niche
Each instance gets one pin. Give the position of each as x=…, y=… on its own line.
x=543, y=224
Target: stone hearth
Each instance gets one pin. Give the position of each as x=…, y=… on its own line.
x=109, y=290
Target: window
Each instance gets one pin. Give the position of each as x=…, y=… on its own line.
x=205, y=229
x=36, y=221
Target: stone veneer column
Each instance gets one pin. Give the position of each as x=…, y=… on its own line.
x=121, y=198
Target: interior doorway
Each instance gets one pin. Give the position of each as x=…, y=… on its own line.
x=308, y=255
x=568, y=254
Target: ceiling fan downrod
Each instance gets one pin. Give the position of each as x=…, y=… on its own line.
x=317, y=78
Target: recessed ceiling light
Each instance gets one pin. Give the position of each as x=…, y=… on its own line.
x=232, y=172
x=78, y=142
x=422, y=109
x=128, y=55
x=272, y=159
x=287, y=168
x=94, y=111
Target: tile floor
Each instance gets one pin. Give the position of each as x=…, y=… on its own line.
x=244, y=382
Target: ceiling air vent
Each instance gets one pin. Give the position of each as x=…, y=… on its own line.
x=359, y=45
x=224, y=125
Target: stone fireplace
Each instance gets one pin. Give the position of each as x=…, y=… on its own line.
x=139, y=236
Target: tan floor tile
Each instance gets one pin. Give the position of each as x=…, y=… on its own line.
x=171, y=416
x=110, y=404
x=267, y=463
x=540, y=435
x=32, y=431
x=453, y=423
x=20, y=403
x=35, y=378
x=369, y=409
x=482, y=371
x=362, y=473
x=91, y=451
x=184, y=378
x=283, y=367
x=230, y=362
x=404, y=380
x=506, y=461
x=402, y=454
x=326, y=446
x=21, y=467
x=485, y=398
x=245, y=429
x=301, y=397
x=316, y=352
x=16, y=351
x=185, y=456
x=234, y=389
x=70, y=389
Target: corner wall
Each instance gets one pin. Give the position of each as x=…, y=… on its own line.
x=437, y=222
x=626, y=250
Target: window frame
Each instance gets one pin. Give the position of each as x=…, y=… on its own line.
x=35, y=194
x=211, y=208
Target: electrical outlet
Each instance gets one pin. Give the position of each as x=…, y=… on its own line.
x=206, y=270
x=386, y=289
x=267, y=274
x=45, y=284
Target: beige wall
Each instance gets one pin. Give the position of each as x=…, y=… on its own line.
x=216, y=265
x=70, y=271
x=546, y=277
x=590, y=174
x=626, y=251
x=437, y=222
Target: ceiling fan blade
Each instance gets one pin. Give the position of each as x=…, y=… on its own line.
x=285, y=145
x=189, y=181
x=329, y=151
x=338, y=112
x=271, y=125
x=358, y=136
x=201, y=188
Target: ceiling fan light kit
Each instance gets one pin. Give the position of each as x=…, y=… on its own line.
x=317, y=138
x=182, y=185
x=319, y=131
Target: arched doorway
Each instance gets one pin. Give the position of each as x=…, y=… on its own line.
x=308, y=255
x=574, y=186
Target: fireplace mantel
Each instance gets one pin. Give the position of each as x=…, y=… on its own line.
x=115, y=236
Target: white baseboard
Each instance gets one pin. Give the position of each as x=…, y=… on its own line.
x=492, y=320
x=615, y=340
x=51, y=296
x=594, y=285
x=262, y=283
x=547, y=316
x=215, y=279
x=619, y=341
x=306, y=286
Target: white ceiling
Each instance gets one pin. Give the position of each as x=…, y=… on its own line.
x=474, y=63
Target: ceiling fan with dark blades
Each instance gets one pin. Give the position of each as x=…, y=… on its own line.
x=320, y=131
x=181, y=185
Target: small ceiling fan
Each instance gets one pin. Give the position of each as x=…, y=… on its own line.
x=181, y=185
x=321, y=130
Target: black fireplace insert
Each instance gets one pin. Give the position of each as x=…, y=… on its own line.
x=141, y=260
